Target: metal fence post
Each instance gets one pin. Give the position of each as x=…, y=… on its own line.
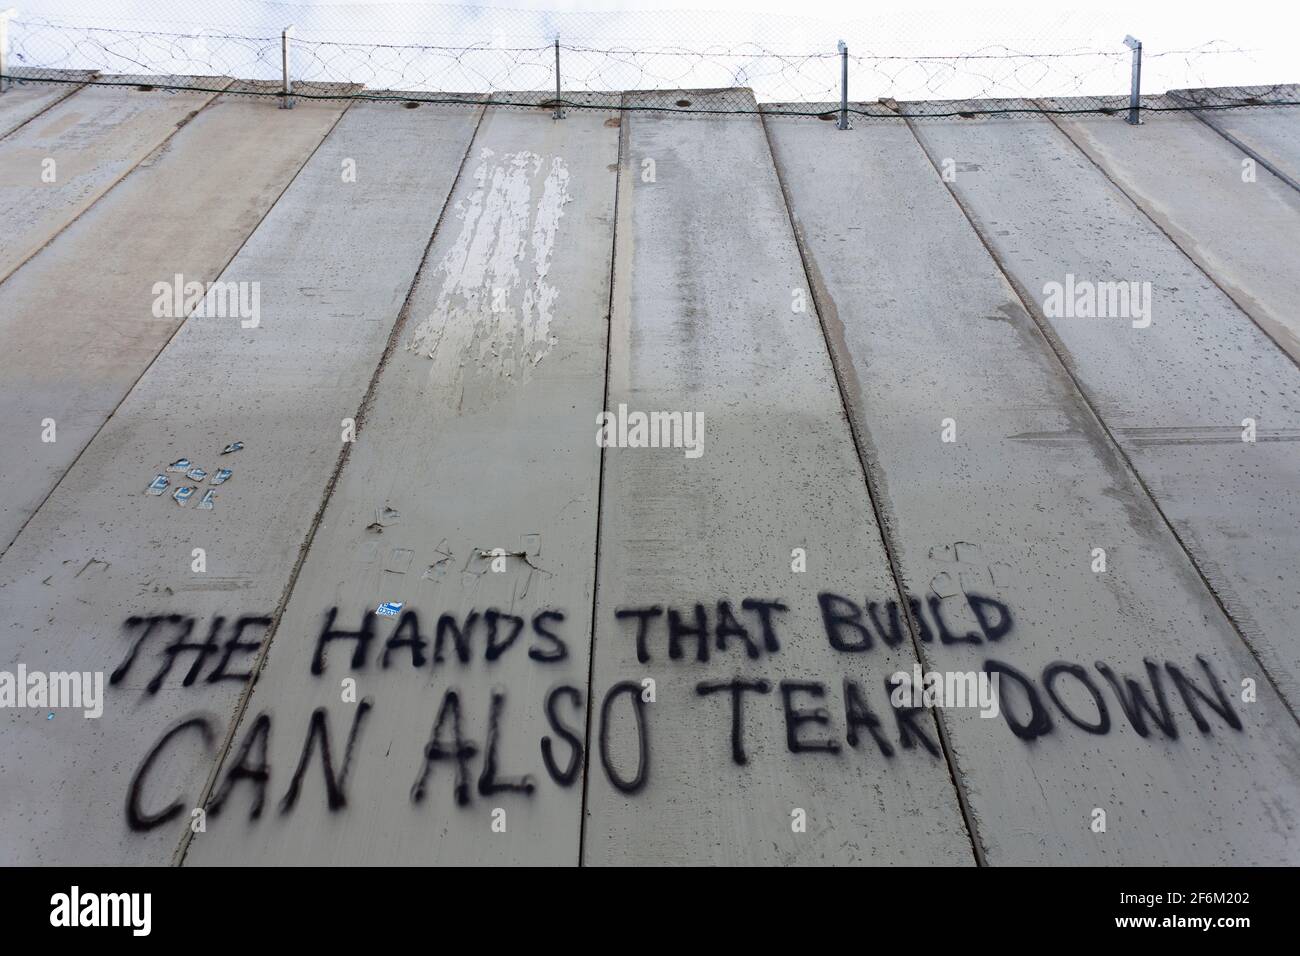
x=286, y=98
x=844, y=87
x=1134, y=96
x=4, y=46
x=559, y=113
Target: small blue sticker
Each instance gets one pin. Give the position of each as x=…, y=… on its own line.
x=390, y=609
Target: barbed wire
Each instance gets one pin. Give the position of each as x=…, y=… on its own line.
x=742, y=77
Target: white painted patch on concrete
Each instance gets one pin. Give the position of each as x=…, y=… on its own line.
x=491, y=323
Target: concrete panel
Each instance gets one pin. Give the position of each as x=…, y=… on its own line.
x=23, y=101
x=706, y=322
x=78, y=323
x=1190, y=181
x=479, y=437
x=929, y=336
x=1175, y=393
x=92, y=139
x=335, y=260
x=1270, y=133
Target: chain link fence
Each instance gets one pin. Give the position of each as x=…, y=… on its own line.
x=449, y=54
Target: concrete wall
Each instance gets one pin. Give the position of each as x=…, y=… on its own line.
x=629, y=653
x=23, y=101
x=928, y=334
x=1270, y=135
x=64, y=158
x=774, y=512
x=1229, y=219
x=478, y=438
x=1173, y=393
x=103, y=577
x=81, y=323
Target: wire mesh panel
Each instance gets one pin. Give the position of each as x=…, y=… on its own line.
x=471, y=55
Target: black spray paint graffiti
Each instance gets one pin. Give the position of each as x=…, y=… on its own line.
x=662, y=636
x=851, y=628
x=171, y=636
x=251, y=764
x=447, y=745
x=177, y=631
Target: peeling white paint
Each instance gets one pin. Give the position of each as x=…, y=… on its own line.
x=491, y=323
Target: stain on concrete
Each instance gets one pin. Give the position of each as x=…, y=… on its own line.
x=491, y=324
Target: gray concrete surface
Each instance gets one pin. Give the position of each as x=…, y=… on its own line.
x=78, y=324
x=54, y=167
x=1272, y=135
x=23, y=101
x=1269, y=134
x=1191, y=182
x=1174, y=394
x=703, y=323
x=472, y=295
x=335, y=260
x=926, y=330
x=479, y=437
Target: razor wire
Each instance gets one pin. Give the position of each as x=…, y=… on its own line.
x=505, y=69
